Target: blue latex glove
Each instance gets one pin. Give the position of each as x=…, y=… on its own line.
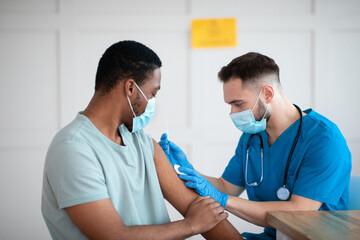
x=202, y=185
x=175, y=155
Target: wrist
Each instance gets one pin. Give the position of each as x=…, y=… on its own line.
x=223, y=199
x=190, y=226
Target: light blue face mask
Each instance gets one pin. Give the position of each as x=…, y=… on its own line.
x=245, y=120
x=141, y=121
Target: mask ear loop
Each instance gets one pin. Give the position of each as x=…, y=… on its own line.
x=130, y=105
x=265, y=111
x=257, y=99
x=141, y=91
x=130, y=102
x=129, y=99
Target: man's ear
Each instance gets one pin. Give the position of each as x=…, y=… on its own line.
x=129, y=87
x=268, y=93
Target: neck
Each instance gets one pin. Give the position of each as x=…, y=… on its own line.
x=105, y=114
x=283, y=115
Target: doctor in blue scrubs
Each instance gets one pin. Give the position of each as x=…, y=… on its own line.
x=286, y=159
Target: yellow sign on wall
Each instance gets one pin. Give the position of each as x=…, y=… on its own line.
x=213, y=33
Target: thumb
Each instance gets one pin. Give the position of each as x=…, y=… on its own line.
x=163, y=136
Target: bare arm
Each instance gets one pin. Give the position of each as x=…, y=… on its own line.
x=100, y=220
x=224, y=186
x=181, y=197
x=255, y=212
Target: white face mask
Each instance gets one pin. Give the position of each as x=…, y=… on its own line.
x=245, y=120
x=139, y=122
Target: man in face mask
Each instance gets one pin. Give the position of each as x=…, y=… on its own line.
x=104, y=178
x=286, y=159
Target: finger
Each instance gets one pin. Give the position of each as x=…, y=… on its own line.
x=191, y=185
x=188, y=178
x=215, y=204
x=164, y=136
x=164, y=144
x=223, y=216
x=219, y=209
x=189, y=171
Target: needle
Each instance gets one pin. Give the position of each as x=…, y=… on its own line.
x=167, y=132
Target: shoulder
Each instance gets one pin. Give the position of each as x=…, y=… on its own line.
x=318, y=122
x=325, y=140
x=73, y=132
x=71, y=142
x=321, y=130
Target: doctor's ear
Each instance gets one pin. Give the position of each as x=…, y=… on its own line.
x=268, y=93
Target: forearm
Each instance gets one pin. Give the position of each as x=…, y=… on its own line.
x=100, y=220
x=216, y=182
x=255, y=212
x=223, y=186
x=224, y=230
x=174, y=230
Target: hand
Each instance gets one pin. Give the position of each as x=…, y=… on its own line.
x=202, y=185
x=175, y=155
x=204, y=214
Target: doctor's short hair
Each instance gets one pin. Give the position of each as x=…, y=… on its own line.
x=252, y=68
x=124, y=60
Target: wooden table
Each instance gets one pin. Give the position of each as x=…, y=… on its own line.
x=315, y=224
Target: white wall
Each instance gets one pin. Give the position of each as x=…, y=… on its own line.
x=49, y=51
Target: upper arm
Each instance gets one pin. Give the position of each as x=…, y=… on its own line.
x=171, y=185
x=74, y=174
x=97, y=220
x=181, y=197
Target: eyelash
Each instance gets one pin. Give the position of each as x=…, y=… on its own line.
x=238, y=104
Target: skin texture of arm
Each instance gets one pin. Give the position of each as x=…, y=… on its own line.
x=181, y=197
x=255, y=212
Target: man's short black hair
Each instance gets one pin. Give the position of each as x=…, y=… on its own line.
x=124, y=60
x=250, y=67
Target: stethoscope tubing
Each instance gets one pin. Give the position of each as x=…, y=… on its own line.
x=254, y=184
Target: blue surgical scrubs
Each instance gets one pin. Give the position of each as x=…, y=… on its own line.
x=319, y=168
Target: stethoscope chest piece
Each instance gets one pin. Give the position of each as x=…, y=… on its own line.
x=283, y=193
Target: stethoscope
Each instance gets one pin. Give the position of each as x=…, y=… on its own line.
x=282, y=193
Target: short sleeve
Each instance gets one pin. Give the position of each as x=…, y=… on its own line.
x=324, y=172
x=74, y=174
x=234, y=170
